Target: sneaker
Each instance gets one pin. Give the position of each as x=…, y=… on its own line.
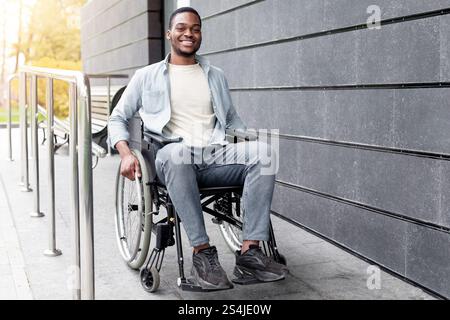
x=254, y=266
x=207, y=272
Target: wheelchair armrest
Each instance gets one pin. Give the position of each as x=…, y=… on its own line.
x=153, y=137
x=242, y=134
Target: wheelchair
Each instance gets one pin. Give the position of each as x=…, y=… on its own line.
x=138, y=207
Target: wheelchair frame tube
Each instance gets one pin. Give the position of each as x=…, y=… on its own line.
x=173, y=215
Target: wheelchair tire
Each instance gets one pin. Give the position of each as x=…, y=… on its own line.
x=133, y=215
x=150, y=279
x=231, y=234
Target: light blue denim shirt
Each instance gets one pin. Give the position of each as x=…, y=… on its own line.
x=149, y=94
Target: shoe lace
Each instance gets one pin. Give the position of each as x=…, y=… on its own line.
x=266, y=260
x=212, y=260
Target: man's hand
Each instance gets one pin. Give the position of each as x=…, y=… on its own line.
x=129, y=165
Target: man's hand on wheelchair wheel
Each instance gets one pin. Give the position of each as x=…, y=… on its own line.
x=129, y=167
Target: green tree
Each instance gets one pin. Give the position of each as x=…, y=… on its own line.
x=52, y=40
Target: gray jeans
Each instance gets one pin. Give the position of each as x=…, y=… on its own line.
x=183, y=170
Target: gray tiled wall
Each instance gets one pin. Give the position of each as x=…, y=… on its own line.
x=120, y=36
x=380, y=183
x=383, y=203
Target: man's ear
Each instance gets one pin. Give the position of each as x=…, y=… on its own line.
x=168, y=33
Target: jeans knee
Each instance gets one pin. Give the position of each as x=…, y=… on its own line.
x=172, y=158
x=266, y=155
x=172, y=153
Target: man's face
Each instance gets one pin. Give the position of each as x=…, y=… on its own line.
x=185, y=35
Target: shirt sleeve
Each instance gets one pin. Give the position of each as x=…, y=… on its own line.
x=233, y=120
x=128, y=105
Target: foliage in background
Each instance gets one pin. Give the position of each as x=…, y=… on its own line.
x=60, y=88
x=52, y=40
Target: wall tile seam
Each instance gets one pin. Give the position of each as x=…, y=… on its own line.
x=86, y=58
x=350, y=86
x=229, y=10
x=361, y=146
x=366, y=207
x=101, y=11
x=441, y=194
x=125, y=69
x=325, y=33
x=118, y=25
x=83, y=23
x=359, y=255
x=119, y=58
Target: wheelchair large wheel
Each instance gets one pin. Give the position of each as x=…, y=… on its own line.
x=133, y=215
x=232, y=234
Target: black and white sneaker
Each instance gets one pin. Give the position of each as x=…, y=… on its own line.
x=254, y=266
x=207, y=272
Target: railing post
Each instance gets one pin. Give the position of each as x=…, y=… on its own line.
x=73, y=153
x=51, y=251
x=108, y=82
x=8, y=105
x=86, y=197
x=24, y=132
x=34, y=141
x=81, y=148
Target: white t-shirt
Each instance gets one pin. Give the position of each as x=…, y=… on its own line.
x=192, y=116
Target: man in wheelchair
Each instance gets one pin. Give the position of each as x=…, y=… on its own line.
x=186, y=102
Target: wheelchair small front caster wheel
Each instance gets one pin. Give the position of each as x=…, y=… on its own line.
x=150, y=279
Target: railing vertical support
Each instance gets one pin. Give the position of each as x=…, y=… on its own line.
x=34, y=141
x=8, y=105
x=73, y=153
x=51, y=251
x=86, y=197
x=81, y=149
x=108, y=85
x=24, y=132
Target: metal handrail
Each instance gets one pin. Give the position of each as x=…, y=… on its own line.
x=108, y=78
x=80, y=146
x=8, y=106
x=97, y=150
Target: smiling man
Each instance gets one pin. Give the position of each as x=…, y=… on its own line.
x=184, y=97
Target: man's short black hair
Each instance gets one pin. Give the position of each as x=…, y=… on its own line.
x=181, y=10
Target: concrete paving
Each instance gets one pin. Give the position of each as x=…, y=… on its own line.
x=318, y=269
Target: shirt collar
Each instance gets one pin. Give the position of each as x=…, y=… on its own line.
x=203, y=62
